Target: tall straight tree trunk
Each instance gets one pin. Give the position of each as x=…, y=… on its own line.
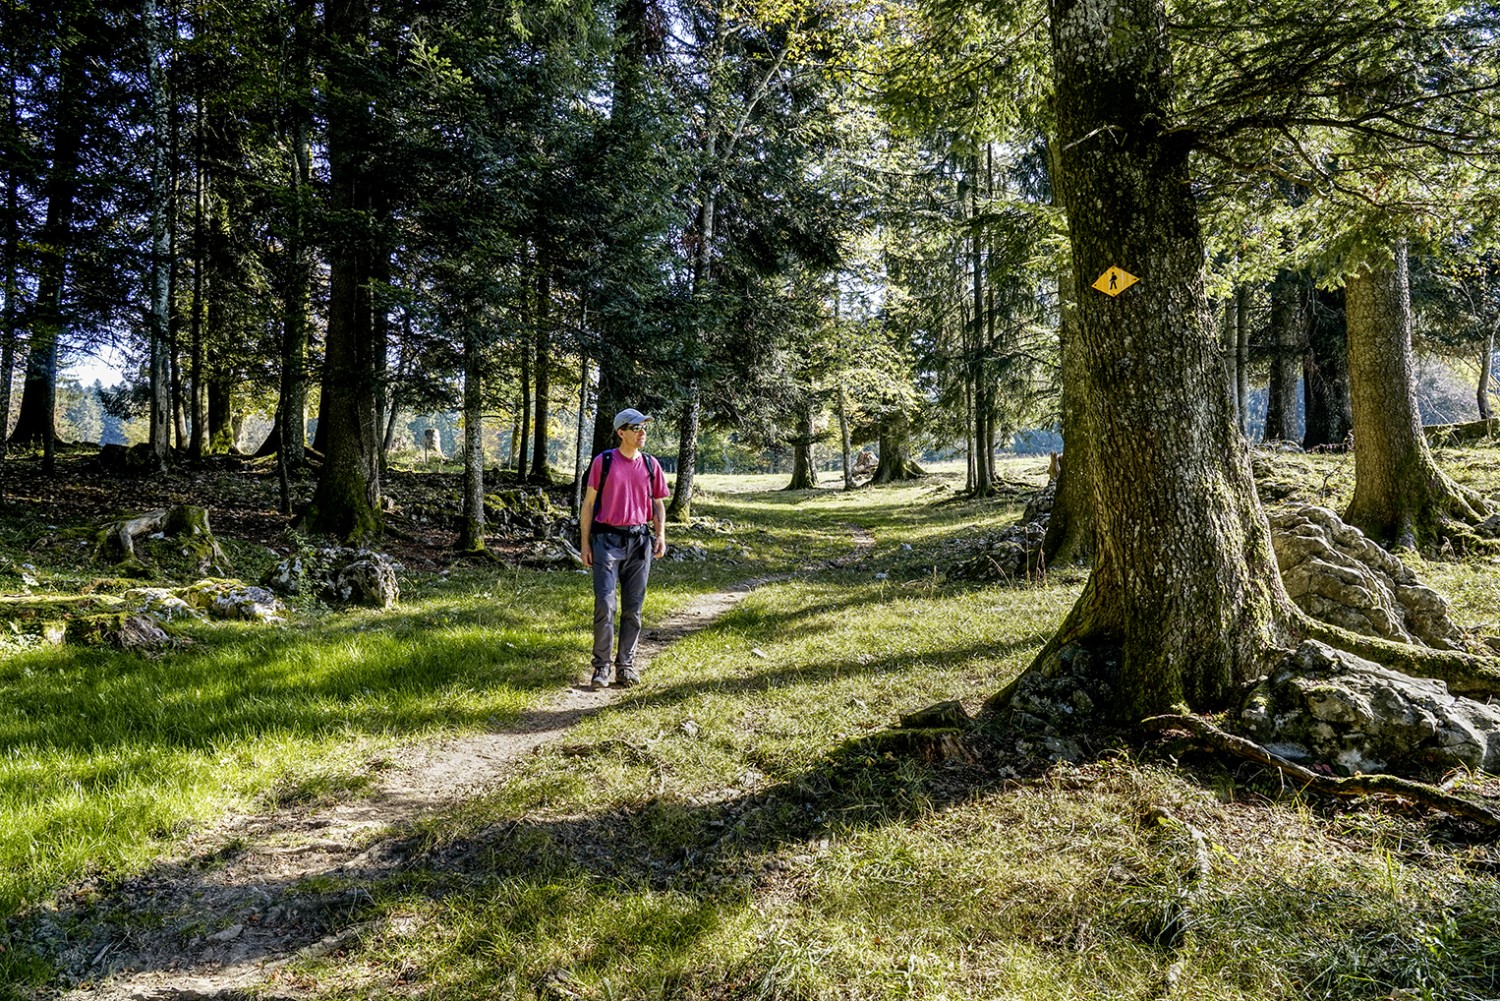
x=1401, y=497
x=1325, y=373
x=1184, y=588
x=12, y=264
x=296, y=321
x=1486, y=362
x=346, y=501
x=688, y=424
x=1070, y=527
x=159, y=350
x=523, y=436
x=845, y=448
x=580, y=455
x=543, y=421
x=1231, y=358
x=680, y=508
x=1287, y=310
x=1242, y=356
x=36, y=423
x=984, y=480
x=471, y=532
x=197, y=319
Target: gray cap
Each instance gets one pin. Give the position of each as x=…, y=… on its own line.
x=630, y=416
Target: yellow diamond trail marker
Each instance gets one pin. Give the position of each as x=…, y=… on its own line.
x=1114, y=281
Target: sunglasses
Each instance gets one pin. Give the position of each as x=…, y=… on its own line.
x=632, y=427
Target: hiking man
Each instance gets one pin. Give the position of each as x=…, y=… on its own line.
x=622, y=526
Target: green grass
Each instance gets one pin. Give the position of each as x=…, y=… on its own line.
x=737, y=826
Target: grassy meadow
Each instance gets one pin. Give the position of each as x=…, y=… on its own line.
x=735, y=827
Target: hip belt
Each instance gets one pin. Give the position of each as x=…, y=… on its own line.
x=622, y=531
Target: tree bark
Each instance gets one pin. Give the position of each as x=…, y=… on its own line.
x=1325, y=373
x=896, y=464
x=845, y=447
x=160, y=434
x=12, y=264
x=347, y=499
x=1486, y=363
x=1287, y=310
x=1242, y=356
x=197, y=321
x=681, y=507
x=36, y=423
x=1401, y=498
x=297, y=283
x=523, y=436
x=222, y=439
x=804, y=475
x=471, y=532
x=540, y=473
x=1070, y=527
x=1184, y=586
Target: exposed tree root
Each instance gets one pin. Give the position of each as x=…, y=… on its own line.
x=1353, y=786
x=1465, y=673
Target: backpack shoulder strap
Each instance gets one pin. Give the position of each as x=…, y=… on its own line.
x=652, y=465
x=605, y=458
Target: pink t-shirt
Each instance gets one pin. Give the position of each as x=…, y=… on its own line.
x=627, y=494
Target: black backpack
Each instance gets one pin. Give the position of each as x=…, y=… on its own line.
x=608, y=456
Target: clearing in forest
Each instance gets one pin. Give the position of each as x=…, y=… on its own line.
x=353, y=808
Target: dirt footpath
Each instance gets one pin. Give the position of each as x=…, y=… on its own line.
x=224, y=915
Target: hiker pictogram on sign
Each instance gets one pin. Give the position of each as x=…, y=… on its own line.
x=1114, y=281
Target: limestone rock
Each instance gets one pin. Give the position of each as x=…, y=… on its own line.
x=1323, y=705
x=1339, y=576
x=232, y=599
x=369, y=580
x=339, y=575
x=161, y=604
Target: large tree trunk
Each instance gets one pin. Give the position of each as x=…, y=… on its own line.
x=1401, y=498
x=347, y=499
x=36, y=423
x=222, y=439
x=896, y=463
x=1287, y=297
x=681, y=508
x=804, y=475
x=1184, y=585
x=1325, y=373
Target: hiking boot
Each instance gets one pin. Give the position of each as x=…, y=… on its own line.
x=600, y=681
x=629, y=679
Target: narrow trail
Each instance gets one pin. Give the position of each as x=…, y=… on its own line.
x=249, y=895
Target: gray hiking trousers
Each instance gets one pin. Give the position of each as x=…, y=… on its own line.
x=622, y=561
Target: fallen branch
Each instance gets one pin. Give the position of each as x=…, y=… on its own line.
x=1354, y=785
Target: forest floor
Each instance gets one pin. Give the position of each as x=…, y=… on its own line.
x=426, y=803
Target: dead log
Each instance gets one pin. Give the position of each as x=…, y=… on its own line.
x=1352, y=786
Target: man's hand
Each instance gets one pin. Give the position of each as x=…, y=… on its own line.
x=587, y=552
x=661, y=546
